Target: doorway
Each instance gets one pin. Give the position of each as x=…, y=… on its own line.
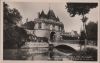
x=52, y=36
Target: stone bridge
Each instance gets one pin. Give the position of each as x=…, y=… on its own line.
x=70, y=43
x=74, y=46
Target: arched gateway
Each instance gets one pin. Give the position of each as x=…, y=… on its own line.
x=52, y=36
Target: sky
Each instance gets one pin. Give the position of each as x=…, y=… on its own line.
x=30, y=10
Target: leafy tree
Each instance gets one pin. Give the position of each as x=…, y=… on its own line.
x=29, y=25
x=91, y=28
x=11, y=16
x=14, y=36
x=80, y=9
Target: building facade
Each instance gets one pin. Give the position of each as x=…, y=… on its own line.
x=47, y=27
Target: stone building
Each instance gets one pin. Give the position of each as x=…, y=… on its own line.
x=47, y=27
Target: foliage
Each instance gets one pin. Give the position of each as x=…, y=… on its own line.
x=29, y=25
x=12, y=16
x=14, y=36
x=91, y=28
x=80, y=8
x=85, y=55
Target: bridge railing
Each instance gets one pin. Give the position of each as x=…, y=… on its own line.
x=70, y=41
x=35, y=44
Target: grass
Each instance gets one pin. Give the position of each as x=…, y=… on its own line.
x=88, y=54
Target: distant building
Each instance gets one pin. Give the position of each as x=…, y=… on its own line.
x=46, y=27
x=73, y=35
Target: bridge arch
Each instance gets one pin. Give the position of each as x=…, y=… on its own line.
x=65, y=48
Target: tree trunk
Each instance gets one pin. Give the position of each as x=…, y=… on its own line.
x=84, y=19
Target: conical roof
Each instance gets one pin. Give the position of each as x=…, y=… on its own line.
x=51, y=15
x=42, y=14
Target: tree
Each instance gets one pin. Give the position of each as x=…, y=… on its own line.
x=80, y=9
x=14, y=36
x=91, y=28
x=29, y=25
x=11, y=16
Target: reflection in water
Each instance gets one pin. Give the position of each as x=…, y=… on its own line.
x=58, y=53
x=35, y=53
x=39, y=54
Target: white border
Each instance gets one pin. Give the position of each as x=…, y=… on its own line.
x=1, y=32
x=27, y=61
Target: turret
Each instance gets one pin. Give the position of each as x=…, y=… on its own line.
x=42, y=14
x=51, y=15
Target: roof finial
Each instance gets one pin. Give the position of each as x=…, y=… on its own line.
x=49, y=5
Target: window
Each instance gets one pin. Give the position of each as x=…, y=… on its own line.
x=51, y=27
x=39, y=26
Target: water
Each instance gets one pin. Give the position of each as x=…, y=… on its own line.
x=32, y=54
x=39, y=51
x=35, y=51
